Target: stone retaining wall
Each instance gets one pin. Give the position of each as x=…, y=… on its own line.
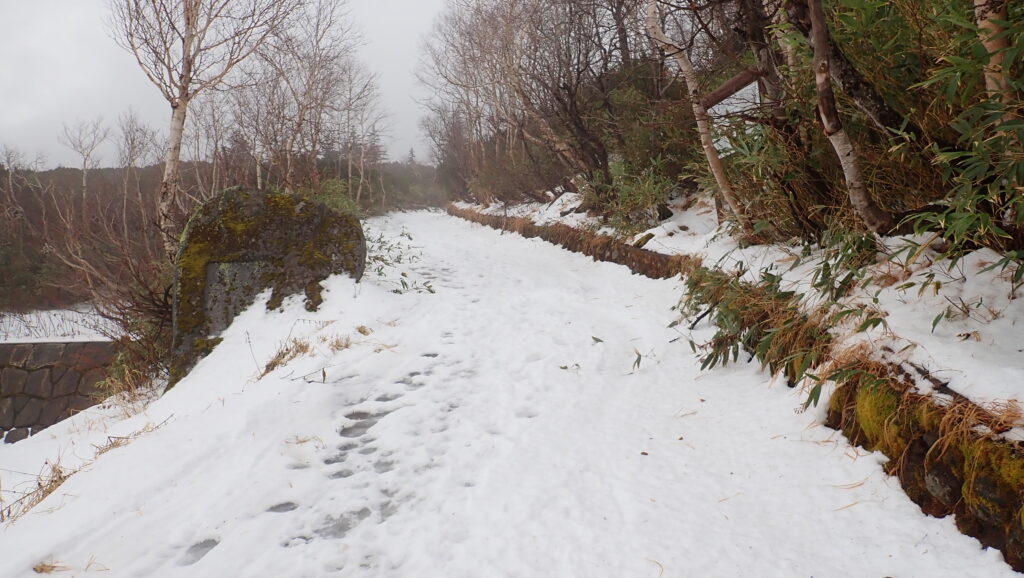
x=44, y=383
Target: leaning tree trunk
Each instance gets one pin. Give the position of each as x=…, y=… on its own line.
x=877, y=220
x=856, y=86
x=700, y=113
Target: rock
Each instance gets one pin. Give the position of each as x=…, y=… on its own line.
x=53, y=412
x=79, y=403
x=90, y=380
x=664, y=212
x=6, y=413
x=242, y=242
x=93, y=354
x=71, y=353
x=38, y=384
x=12, y=381
x=19, y=355
x=44, y=354
x=6, y=350
x=67, y=384
x=28, y=416
x=16, y=435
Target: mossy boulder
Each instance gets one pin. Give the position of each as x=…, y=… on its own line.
x=242, y=242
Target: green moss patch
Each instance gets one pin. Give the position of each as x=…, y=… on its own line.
x=242, y=242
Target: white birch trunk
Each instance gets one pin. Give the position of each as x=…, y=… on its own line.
x=987, y=14
x=171, y=178
x=699, y=112
x=877, y=220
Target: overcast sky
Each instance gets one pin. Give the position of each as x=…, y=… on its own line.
x=59, y=65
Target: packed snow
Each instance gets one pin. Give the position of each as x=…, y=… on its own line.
x=480, y=405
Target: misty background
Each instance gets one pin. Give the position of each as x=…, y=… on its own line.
x=62, y=66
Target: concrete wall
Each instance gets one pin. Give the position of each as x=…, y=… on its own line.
x=43, y=383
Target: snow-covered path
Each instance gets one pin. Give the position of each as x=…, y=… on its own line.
x=496, y=427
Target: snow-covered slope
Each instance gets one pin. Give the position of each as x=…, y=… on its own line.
x=532, y=416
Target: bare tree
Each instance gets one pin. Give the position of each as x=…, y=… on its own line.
x=186, y=47
x=85, y=137
x=681, y=58
x=13, y=161
x=301, y=74
x=359, y=110
x=137, y=147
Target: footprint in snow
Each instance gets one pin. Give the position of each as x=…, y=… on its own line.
x=342, y=455
x=283, y=507
x=196, y=551
x=359, y=428
x=337, y=528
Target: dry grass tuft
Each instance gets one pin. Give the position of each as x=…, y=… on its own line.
x=52, y=476
x=364, y=330
x=338, y=343
x=288, y=351
x=49, y=568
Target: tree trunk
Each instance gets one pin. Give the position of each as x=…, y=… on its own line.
x=852, y=82
x=877, y=220
x=756, y=22
x=85, y=185
x=730, y=87
x=699, y=112
x=171, y=179
x=619, y=12
x=988, y=13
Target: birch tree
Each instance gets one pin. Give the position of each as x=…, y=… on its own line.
x=657, y=34
x=990, y=16
x=85, y=137
x=186, y=47
x=877, y=220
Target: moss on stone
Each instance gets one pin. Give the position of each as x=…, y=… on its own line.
x=296, y=241
x=876, y=408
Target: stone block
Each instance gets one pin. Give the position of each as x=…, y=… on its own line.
x=12, y=381
x=71, y=351
x=29, y=415
x=6, y=413
x=20, y=354
x=94, y=354
x=16, y=435
x=39, y=384
x=5, y=353
x=54, y=411
x=57, y=371
x=67, y=384
x=90, y=380
x=77, y=403
x=19, y=403
x=44, y=355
